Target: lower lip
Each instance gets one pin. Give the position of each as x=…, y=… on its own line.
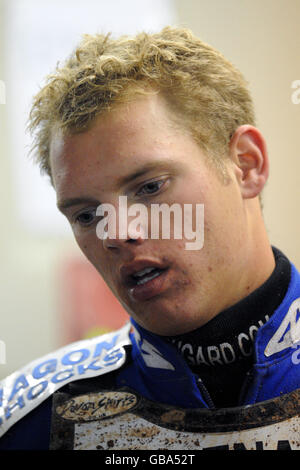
x=150, y=289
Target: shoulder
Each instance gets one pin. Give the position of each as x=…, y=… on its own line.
x=26, y=389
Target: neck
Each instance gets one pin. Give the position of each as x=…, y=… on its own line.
x=259, y=262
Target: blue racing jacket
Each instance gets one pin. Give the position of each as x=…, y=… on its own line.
x=137, y=359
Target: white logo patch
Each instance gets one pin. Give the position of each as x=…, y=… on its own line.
x=288, y=334
x=151, y=355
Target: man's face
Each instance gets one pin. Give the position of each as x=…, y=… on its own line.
x=136, y=152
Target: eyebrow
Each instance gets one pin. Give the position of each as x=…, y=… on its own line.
x=156, y=165
x=75, y=201
x=123, y=180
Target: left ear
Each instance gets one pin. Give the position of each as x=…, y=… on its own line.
x=248, y=152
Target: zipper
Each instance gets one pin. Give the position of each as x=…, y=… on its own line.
x=205, y=393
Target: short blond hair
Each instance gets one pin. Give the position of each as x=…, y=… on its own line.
x=206, y=92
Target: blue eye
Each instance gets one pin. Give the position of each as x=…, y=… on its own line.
x=151, y=188
x=86, y=218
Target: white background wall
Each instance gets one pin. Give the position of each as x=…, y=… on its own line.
x=261, y=37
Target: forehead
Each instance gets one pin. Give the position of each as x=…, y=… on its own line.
x=116, y=141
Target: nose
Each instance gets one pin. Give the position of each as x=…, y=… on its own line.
x=121, y=226
x=118, y=244
x=134, y=237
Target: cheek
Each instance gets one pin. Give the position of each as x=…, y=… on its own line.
x=92, y=249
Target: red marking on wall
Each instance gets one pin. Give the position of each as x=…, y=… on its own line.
x=87, y=306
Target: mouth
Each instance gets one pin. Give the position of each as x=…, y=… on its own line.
x=145, y=275
x=144, y=281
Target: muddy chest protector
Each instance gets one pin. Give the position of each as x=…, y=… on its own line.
x=130, y=390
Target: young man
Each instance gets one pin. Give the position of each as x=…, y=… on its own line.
x=164, y=120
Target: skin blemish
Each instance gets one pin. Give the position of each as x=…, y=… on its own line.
x=181, y=282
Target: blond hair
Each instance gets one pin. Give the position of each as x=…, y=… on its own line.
x=208, y=95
